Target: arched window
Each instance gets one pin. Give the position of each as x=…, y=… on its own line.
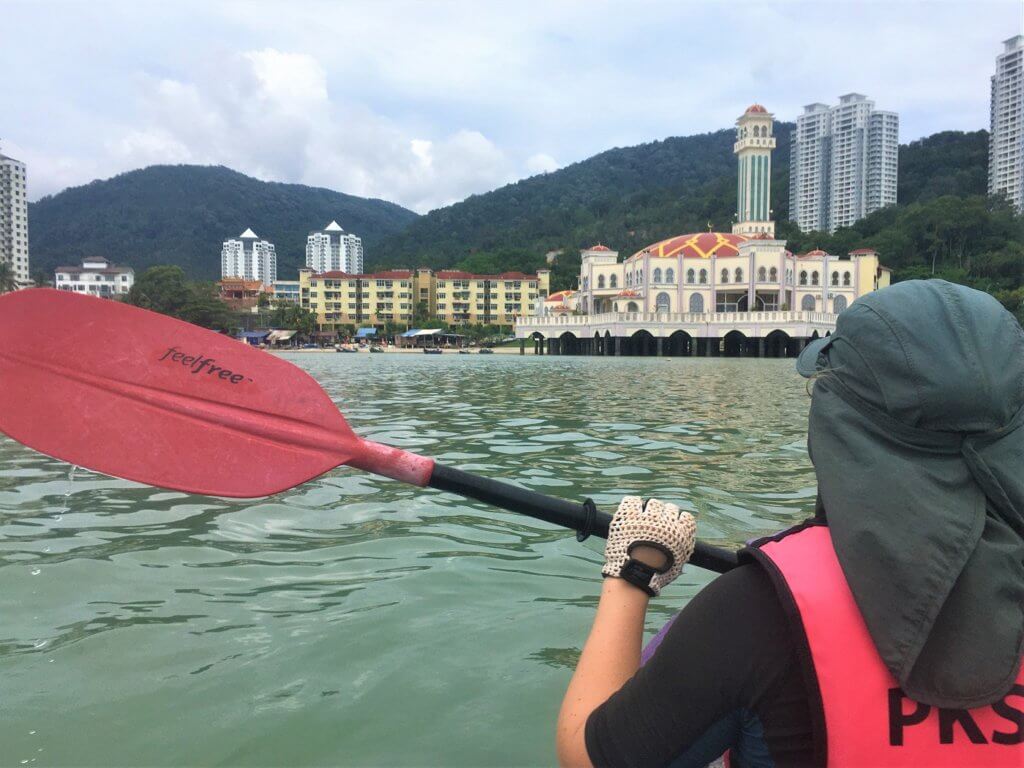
x=639, y=278
x=670, y=275
x=696, y=303
x=690, y=276
x=663, y=303
x=773, y=275
x=725, y=276
x=600, y=281
x=703, y=277
x=629, y=279
x=739, y=275
x=846, y=279
x=814, y=277
x=835, y=278
x=839, y=304
x=762, y=274
x=657, y=274
x=807, y=303
x=803, y=277
x=631, y=307
x=613, y=281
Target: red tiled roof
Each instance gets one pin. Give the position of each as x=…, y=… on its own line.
x=454, y=274
x=599, y=247
x=394, y=274
x=815, y=252
x=862, y=251
x=560, y=296
x=696, y=245
x=756, y=108
x=627, y=293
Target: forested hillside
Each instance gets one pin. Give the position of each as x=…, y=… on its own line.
x=180, y=214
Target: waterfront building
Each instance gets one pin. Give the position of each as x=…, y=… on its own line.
x=14, y=217
x=95, y=277
x=741, y=292
x=1006, y=138
x=239, y=294
x=399, y=296
x=286, y=291
x=331, y=249
x=249, y=258
x=559, y=303
x=843, y=163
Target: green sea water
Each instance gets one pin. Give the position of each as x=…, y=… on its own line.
x=356, y=621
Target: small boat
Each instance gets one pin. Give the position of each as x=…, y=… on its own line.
x=463, y=351
x=340, y=348
x=486, y=351
x=375, y=349
x=432, y=351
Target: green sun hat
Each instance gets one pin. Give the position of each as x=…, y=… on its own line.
x=915, y=432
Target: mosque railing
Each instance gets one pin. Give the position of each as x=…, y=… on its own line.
x=678, y=318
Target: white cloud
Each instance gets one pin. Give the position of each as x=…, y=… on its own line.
x=541, y=163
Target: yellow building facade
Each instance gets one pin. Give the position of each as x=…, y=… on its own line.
x=398, y=296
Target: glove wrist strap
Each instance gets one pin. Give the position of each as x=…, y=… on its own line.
x=639, y=575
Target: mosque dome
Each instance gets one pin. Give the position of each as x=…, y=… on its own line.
x=697, y=245
x=756, y=109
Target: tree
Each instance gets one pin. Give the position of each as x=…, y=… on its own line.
x=40, y=279
x=8, y=282
x=205, y=308
x=161, y=289
x=294, y=317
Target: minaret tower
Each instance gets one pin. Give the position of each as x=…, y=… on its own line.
x=753, y=148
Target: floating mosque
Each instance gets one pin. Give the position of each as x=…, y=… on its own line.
x=738, y=293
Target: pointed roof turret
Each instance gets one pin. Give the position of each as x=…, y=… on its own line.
x=333, y=227
x=249, y=234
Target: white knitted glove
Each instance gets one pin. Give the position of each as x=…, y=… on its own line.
x=655, y=524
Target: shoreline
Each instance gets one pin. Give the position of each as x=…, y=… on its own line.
x=405, y=351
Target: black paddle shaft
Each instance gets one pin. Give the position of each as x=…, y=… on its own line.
x=583, y=518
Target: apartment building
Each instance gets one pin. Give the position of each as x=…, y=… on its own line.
x=14, y=217
x=1005, y=148
x=399, y=296
x=331, y=249
x=96, y=277
x=249, y=258
x=843, y=164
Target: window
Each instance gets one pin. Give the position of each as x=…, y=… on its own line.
x=803, y=277
x=814, y=278
x=807, y=303
x=696, y=303
x=670, y=275
x=839, y=304
x=725, y=276
x=762, y=274
x=739, y=275
x=703, y=277
x=663, y=303
x=773, y=275
x=639, y=278
x=846, y=279
x=657, y=275
x=600, y=281
x=690, y=276
x=631, y=307
x=835, y=278
x=613, y=281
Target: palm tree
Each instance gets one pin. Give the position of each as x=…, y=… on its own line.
x=7, y=280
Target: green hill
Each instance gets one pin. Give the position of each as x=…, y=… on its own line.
x=180, y=214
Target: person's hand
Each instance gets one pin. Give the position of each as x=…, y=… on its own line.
x=648, y=543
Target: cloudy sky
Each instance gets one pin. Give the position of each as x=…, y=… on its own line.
x=424, y=103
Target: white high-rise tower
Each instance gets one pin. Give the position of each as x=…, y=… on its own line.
x=1006, y=139
x=249, y=258
x=843, y=163
x=14, y=218
x=753, y=149
x=331, y=249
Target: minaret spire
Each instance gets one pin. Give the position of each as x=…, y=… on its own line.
x=753, y=149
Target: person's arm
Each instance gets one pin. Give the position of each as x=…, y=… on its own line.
x=647, y=546
x=610, y=657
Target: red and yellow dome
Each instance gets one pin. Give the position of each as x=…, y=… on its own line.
x=755, y=109
x=699, y=245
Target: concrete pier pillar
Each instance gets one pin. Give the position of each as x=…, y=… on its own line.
x=713, y=344
x=693, y=347
x=618, y=346
x=801, y=343
x=522, y=346
x=760, y=347
x=661, y=345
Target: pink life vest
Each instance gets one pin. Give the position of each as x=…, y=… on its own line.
x=864, y=719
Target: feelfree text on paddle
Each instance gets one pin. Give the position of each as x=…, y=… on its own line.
x=196, y=364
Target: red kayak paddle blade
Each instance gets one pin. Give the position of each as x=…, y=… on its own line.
x=145, y=397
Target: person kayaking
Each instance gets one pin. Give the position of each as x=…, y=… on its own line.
x=887, y=630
